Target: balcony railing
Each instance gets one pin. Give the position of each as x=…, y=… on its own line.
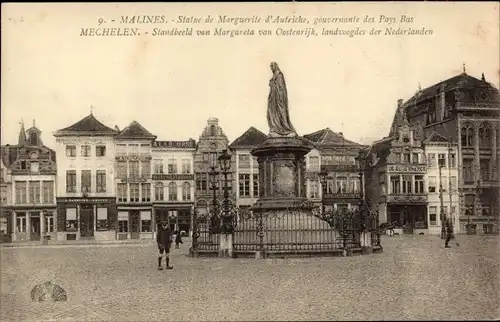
x=407, y=198
x=343, y=195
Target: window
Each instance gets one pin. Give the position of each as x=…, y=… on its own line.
x=121, y=191
x=121, y=169
x=146, y=169
x=444, y=183
x=33, y=138
x=121, y=149
x=186, y=166
x=71, y=223
x=71, y=151
x=21, y=192
x=133, y=169
x=201, y=184
x=314, y=190
x=484, y=136
x=85, y=150
x=406, y=158
x=49, y=223
x=2, y=179
x=102, y=218
x=146, y=223
x=159, y=191
x=3, y=195
x=467, y=135
x=71, y=181
x=133, y=149
x=48, y=191
x=100, y=180
x=244, y=161
x=397, y=157
x=100, y=151
x=468, y=171
x=186, y=191
x=134, y=192
x=206, y=157
x=484, y=167
x=433, y=215
x=353, y=185
x=453, y=183
x=213, y=130
x=327, y=159
x=453, y=160
x=431, y=160
x=244, y=185
x=172, y=166
x=406, y=184
x=21, y=223
x=432, y=184
x=330, y=186
x=34, y=192
x=146, y=192
x=442, y=160
x=255, y=183
x=145, y=148
x=172, y=191
x=86, y=181
x=341, y=184
x=34, y=167
x=395, y=185
x=419, y=184
x=158, y=165
x=414, y=158
x=314, y=163
x=122, y=221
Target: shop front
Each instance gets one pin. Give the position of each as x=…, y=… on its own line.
x=178, y=216
x=29, y=224
x=135, y=223
x=86, y=218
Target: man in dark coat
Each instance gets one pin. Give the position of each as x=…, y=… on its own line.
x=449, y=232
x=164, y=241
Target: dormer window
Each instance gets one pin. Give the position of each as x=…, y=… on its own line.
x=34, y=167
x=33, y=138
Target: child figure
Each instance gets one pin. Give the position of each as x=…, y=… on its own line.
x=178, y=239
x=164, y=241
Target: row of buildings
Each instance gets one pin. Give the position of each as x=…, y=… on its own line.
x=441, y=155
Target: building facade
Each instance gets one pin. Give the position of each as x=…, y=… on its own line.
x=173, y=183
x=211, y=143
x=134, y=199
x=5, y=195
x=441, y=183
x=29, y=183
x=86, y=200
x=395, y=177
x=336, y=156
x=466, y=109
x=246, y=168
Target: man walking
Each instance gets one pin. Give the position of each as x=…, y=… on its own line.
x=164, y=241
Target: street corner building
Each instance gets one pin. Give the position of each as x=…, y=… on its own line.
x=28, y=184
x=174, y=184
x=86, y=199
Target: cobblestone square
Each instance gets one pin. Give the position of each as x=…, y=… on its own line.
x=414, y=278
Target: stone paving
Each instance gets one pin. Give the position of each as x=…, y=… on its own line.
x=415, y=278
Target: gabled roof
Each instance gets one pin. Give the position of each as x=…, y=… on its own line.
x=251, y=138
x=135, y=131
x=436, y=137
x=89, y=125
x=459, y=81
x=381, y=149
x=328, y=137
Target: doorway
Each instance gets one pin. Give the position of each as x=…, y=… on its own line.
x=35, y=226
x=135, y=218
x=87, y=221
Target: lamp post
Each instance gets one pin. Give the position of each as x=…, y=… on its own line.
x=227, y=218
x=323, y=176
x=441, y=201
x=213, y=174
x=360, y=162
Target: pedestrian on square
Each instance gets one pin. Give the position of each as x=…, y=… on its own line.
x=178, y=239
x=449, y=232
x=164, y=241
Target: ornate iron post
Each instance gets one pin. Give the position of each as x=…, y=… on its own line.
x=323, y=180
x=443, y=215
x=196, y=231
x=227, y=217
x=213, y=174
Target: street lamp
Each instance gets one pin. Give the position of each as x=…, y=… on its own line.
x=225, y=166
x=361, y=164
x=213, y=174
x=443, y=215
x=323, y=176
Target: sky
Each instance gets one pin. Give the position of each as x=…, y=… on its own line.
x=172, y=85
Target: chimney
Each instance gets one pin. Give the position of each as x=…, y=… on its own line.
x=341, y=134
x=400, y=102
x=117, y=128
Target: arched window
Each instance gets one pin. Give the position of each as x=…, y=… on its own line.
x=172, y=191
x=33, y=138
x=213, y=130
x=485, y=136
x=467, y=136
x=186, y=191
x=159, y=191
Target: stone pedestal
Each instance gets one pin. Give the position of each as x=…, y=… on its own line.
x=226, y=245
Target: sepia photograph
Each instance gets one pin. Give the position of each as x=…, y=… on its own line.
x=328, y=161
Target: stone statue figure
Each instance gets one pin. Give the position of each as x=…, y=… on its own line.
x=278, y=117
